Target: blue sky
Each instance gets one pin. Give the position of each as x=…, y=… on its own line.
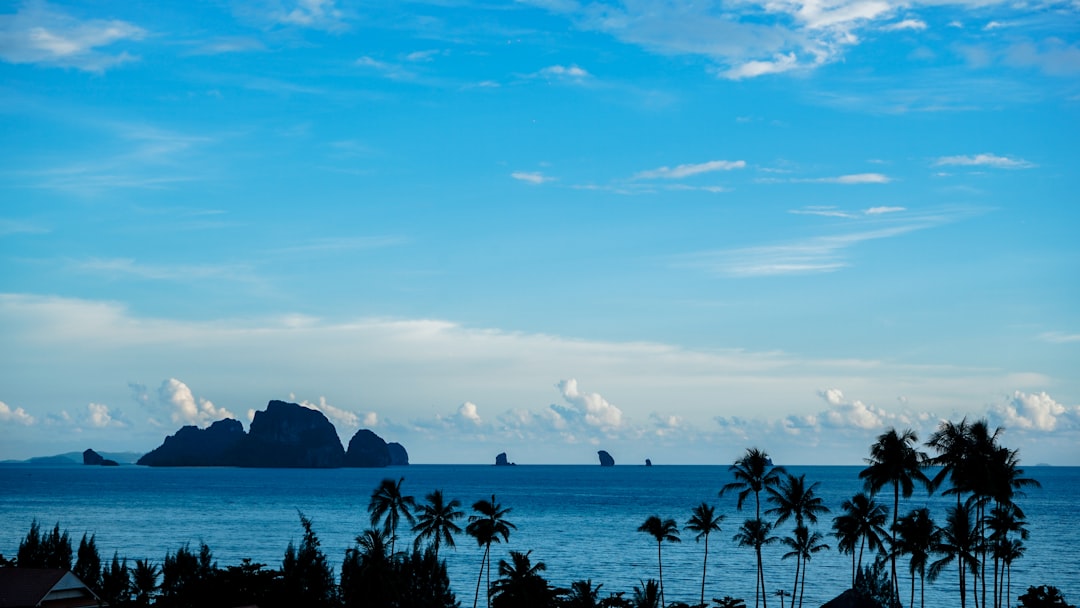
x=669, y=230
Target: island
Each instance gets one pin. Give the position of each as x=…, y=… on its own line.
x=605, y=459
x=284, y=435
x=502, y=461
x=90, y=457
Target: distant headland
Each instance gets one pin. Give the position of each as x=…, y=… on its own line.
x=285, y=435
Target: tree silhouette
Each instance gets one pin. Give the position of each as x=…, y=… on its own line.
x=916, y=535
x=144, y=581
x=582, y=594
x=895, y=461
x=647, y=596
x=862, y=524
x=520, y=584
x=803, y=544
x=116, y=582
x=753, y=473
x=793, y=499
x=661, y=530
x=957, y=541
x=88, y=563
x=435, y=520
x=389, y=506
x=486, y=527
x=704, y=521
x=51, y=550
x=755, y=533
x=306, y=574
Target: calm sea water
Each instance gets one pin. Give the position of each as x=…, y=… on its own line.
x=580, y=520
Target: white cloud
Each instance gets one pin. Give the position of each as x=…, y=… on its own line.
x=371, y=419
x=1057, y=337
x=598, y=412
x=469, y=413
x=752, y=69
x=850, y=414
x=858, y=178
x=531, y=177
x=185, y=408
x=1036, y=412
x=571, y=72
x=907, y=24
x=17, y=415
x=984, y=160
x=39, y=34
x=683, y=171
x=883, y=210
x=98, y=415
x=316, y=14
x=338, y=416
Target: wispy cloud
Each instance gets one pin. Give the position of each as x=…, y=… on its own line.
x=118, y=268
x=37, y=33
x=1059, y=337
x=852, y=179
x=566, y=73
x=315, y=14
x=392, y=71
x=984, y=160
x=812, y=255
x=917, y=25
x=684, y=171
x=531, y=177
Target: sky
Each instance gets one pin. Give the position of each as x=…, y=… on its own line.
x=671, y=230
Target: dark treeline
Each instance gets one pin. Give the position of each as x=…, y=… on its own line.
x=979, y=539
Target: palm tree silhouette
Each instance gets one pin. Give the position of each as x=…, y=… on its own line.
x=582, y=594
x=486, y=527
x=1011, y=551
x=794, y=499
x=957, y=541
x=435, y=520
x=916, y=535
x=894, y=461
x=520, y=584
x=861, y=524
x=661, y=530
x=144, y=581
x=755, y=533
x=389, y=506
x=803, y=544
x=753, y=472
x=952, y=442
x=1003, y=520
x=704, y=521
x=646, y=596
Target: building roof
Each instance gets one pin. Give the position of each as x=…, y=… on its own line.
x=31, y=587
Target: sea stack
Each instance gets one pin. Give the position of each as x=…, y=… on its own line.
x=605, y=459
x=648, y=462
x=502, y=461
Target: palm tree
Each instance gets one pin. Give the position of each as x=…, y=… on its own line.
x=959, y=542
x=704, y=521
x=862, y=524
x=1004, y=519
x=755, y=533
x=916, y=536
x=486, y=527
x=895, y=461
x=144, y=581
x=582, y=594
x=646, y=596
x=753, y=473
x=1011, y=551
x=435, y=520
x=803, y=544
x=389, y=506
x=661, y=530
x=952, y=443
x=794, y=499
x=520, y=584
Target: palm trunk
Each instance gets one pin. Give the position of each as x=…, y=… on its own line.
x=795, y=589
x=892, y=547
x=704, y=569
x=963, y=585
x=483, y=561
x=802, y=589
x=761, y=576
x=660, y=561
x=489, y=576
x=912, y=604
x=922, y=587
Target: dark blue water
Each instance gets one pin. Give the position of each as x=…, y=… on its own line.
x=580, y=520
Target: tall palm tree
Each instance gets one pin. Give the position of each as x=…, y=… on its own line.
x=435, y=520
x=952, y=442
x=862, y=524
x=755, y=533
x=389, y=506
x=803, y=544
x=1004, y=519
x=957, y=541
x=1012, y=550
x=704, y=521
x=916, y=535
x=753, y=473
x=895, y=461
x=661, y=530
x=793, y=498
x=486, y=527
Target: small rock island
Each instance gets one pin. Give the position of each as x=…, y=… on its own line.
x=605, y=459
x=92, y=458
x=502, y=461
x=285, y=435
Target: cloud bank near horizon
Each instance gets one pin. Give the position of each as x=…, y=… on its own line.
x=652, y=394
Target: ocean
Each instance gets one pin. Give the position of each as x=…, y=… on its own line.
x=581, y=521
